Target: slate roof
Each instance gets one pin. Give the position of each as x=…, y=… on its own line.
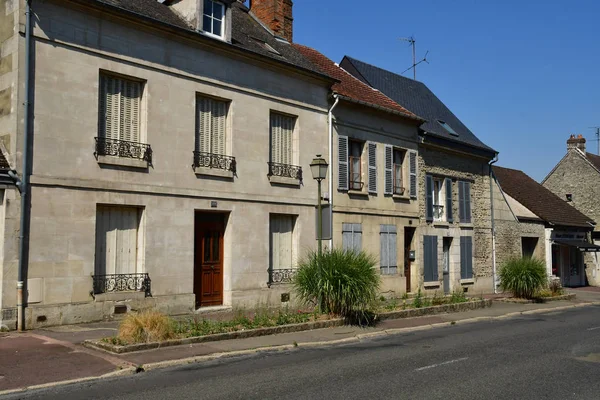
x=247, y=33
x=594, y=159
x=417, y=98
x=351, y=87
x=539, y=200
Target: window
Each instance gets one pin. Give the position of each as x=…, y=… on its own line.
x=528, y=246
x=119, y=245
x=211, y=125
x=213, y=21
x=398, y=181
x=466, y=257
x=388, y=262
x=435, y=198
x=354, y=161
x=430, y=259
x=352, y=237
x=282, y=138
x=120, y=103
x=447, y=127
x=282, y=253
x=464, y=201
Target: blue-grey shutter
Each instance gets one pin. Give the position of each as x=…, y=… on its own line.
x=434, y=258
x=466, y=257
x=467, y=200
x=342, y=163
x=429, y=198
x=388, y=237
x=347, y=237
x=384, y=254
x=357, y=237
x=389, y=170
x=372, y=156
x=461, y=201
x=392, y=256
x=430, y=260
x=449, y=215
x=413, y=174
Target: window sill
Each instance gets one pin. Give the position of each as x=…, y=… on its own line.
x=402, y=197
x=123, y=162
x=441, y=224
x=434, y=284
x=120, y=296
x=470, y=281
x=221, y=173
x=354, y=192
x=282, y=180
x=466, y=225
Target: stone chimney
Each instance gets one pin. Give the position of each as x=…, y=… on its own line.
x=276, y=15
x=576, y=142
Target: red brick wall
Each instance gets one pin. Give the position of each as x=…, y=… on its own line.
x=277, y=15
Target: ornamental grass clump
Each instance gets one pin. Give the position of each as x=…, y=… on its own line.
x=145, y=327
x=339, y=282
x=523, y=277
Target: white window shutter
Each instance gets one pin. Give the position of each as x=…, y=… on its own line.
x=342, y=162
x=275, y=138
x=218, y=125
x=389, y=171
x=372, y=155
x=413, y=174
x=130, y=110
x=110, y=103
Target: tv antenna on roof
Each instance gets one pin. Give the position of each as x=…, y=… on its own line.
x=597, y=128
x=413, y=42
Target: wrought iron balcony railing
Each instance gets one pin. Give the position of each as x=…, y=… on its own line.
x=123, y=148
x=217, y=161
x=438, y=212
x=122, y=283
x=281, y=276
x=285, y=171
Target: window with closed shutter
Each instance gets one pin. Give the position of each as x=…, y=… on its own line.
x=120, y=104
x=282, y=241
x=117, y=244
x=372, y=155
x=430, y=258
x=388, y=258
x=352, y=237
x=282, y=138
x=464, y=201
x=343, y=170
x=466, y=257
x=413, y=170
x=355, y=165
x=211, y=125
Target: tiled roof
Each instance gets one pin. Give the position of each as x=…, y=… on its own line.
x=539, y=200
x=594, y=159
x=417, y=98
x=349, y=86
x=247, y=33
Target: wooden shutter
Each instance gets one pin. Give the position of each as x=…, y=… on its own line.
x=352, y=237
x=274, y=227
x=275, y=138
x=388, y=187
x=357, y=237
x=347, y=237
x=218, y=126
x=467, y=200
x=413, y=174
x=430, y=259
x=388, y=255
x=466, y=257
x=343, y=162
x=204, y=124
x=282, y=138
x=372, y=162
x=464, y=198
x=286, y=225
x=448, y=185
x=117, y=240
x=429, y=198
x=130, y=110
x=110, y=103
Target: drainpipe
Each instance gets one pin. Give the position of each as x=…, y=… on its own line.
x=24, y=187
x=331, y=164
x=492, y=178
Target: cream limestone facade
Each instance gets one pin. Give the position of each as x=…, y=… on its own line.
x=367, y=218
x=71, y=185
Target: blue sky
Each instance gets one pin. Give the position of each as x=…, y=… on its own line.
x=522, y=75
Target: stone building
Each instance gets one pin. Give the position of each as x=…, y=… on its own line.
x=168, y=145
x=454, y=245
x=576, y=180
x=374, y=185
x=531, y=221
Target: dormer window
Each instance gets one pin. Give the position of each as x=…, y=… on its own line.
x=447, y=127
x=213, y=21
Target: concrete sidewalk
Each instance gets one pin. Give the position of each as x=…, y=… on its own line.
x=56, y=355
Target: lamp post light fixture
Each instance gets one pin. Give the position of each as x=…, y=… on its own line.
x=318, y=168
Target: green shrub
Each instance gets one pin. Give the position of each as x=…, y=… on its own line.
x=458, y=296
x=340, y=282
x=418, y=300
x=523, y=277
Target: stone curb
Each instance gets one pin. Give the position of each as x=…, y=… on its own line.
x=569, y=296
x=409, y=313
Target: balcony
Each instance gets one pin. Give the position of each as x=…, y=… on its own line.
x=285, y=174
x=214, y=164
x=139, y=153
x=281, y=276
x=122, y=283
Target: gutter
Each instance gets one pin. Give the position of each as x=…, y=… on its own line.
x=24, y=184
x=330, y=171
x=492, y=180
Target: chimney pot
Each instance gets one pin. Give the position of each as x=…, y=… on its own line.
x=576, y=142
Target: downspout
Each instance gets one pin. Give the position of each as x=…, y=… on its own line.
x=492, y=179
x=330, y=178
x=24, y=187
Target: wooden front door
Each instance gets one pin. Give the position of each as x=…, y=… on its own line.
x=408, y=238
x=208, y=265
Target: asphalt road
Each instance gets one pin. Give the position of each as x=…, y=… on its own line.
x=545, y=356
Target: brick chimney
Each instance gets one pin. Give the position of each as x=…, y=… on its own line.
x=275, y=14
x=576, y=142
